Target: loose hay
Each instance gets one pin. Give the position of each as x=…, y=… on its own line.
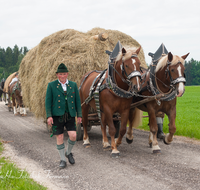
x=77, y=50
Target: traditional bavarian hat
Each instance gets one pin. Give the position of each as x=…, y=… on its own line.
x=62, y=68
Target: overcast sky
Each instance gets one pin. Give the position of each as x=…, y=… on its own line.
x=176, y=23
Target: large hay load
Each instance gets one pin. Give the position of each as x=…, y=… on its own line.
x=80, y=52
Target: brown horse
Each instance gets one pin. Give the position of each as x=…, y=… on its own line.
x=166, y=75
x=14, y=91
x=114, y=97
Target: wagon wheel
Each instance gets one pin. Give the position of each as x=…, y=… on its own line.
x=117, y=127
x=49, y=128
x=78, y=132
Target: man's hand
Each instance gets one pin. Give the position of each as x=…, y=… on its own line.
x=50, y=121
x=79, y=120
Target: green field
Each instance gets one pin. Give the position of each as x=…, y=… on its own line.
x=187, y=114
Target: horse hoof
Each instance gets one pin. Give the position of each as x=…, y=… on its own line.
x=150, y=144
x=86, y=145
x=115, y=155
x=166, y=142
x=129, y=141
x=156, y=151
x=107, y=148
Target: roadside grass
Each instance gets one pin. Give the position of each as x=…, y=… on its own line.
x=187, y=115
x=12, y=178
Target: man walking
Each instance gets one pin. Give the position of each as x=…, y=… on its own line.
x=62, y=104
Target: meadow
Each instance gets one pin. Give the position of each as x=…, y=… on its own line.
x=187, y=114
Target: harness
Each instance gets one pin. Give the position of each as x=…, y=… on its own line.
x=152, y=80
x=15, y=87
x=110, y=82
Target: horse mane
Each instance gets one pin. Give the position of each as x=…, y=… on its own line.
x=129, y=52
x=163, y=61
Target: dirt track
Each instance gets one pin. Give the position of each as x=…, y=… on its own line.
x=31, y=147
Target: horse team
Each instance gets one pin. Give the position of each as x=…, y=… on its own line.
x=12, y=95
x=124, y=77
x=124, y=83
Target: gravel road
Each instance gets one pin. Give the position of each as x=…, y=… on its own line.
x=29, y=145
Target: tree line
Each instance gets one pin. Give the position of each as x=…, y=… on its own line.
x=192, y=72
x=10, y=60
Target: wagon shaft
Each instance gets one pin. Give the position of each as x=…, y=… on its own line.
x=147, y=100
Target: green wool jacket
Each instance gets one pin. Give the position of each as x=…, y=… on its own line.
x=55, y=99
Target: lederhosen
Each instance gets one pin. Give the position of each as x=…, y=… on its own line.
x=59, y=122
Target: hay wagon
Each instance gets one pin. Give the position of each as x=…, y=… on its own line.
x=79, y=51
x=93, y=119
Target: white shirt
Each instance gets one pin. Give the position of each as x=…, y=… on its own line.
x=64, y=85
x=13, y=80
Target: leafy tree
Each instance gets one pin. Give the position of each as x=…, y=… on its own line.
x=20, y=57
x=15, y=54
x=8, y=57
x=2, y=57
x=192, y=72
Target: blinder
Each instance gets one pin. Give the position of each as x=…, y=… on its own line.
x=177, y=80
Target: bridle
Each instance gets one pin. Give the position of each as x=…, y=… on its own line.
x=132, y=74
x=177, y=80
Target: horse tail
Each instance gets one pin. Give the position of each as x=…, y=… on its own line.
x=135, y=118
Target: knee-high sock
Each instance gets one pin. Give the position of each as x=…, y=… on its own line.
x=70, y=145
x=61, y=150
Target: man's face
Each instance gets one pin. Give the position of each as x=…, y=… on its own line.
x=62, y=77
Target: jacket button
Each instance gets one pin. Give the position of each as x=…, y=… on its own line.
x=58, y=95
x=71, y=96
x=72, y=102
x=72, y=108
x=70, y=87
x=58, y=100
x=58, y=106
x=57, y=86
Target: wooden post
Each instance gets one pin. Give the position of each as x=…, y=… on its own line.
x=101, y=36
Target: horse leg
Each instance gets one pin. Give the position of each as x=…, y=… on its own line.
x=14, y=105
x=153, y=132
x=22, y=111
x=85, y=110
x=9, y=103
x=129, y=134
x=111, y=130
x=124, y=119
x=172, y=127
x=106, y=144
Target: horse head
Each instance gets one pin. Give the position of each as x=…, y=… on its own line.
x=173, y=71
x=128, y=64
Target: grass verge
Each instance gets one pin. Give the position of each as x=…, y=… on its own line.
x=12, y=178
